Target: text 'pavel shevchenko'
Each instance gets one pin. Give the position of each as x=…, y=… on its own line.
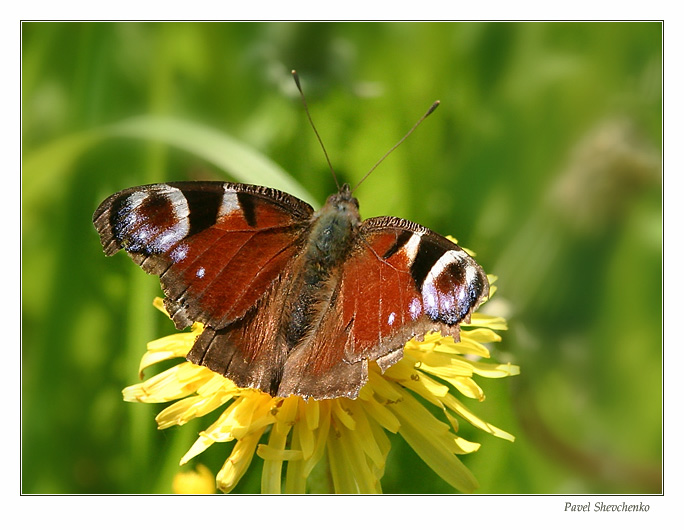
x=605, y=507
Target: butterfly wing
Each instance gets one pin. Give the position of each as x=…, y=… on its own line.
x=408, y=280
x=401, y=280
x=217, y=247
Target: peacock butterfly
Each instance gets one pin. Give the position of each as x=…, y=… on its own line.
x=293, y=301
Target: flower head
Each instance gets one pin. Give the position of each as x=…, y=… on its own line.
x=349, y=435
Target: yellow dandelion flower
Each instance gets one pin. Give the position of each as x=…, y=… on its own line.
x=198, y=481
x=292, y=435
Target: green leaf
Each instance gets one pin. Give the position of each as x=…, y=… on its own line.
x=239, y=160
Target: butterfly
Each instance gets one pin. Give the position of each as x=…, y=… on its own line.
x=293, y=301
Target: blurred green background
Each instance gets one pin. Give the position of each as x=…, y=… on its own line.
x=544, y=158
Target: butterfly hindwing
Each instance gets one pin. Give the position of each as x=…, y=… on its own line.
x=249, y=351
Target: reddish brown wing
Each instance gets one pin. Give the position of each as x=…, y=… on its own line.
x=400, y=281
x=406, y=280
x=217, y=247
x=249, y=351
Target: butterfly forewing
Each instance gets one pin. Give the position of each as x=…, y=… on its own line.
x=216, y=246
x=406, y=280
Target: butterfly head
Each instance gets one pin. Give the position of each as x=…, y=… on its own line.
x=344, y=204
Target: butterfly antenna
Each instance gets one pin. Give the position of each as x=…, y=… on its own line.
x=430, y=111
x=308, y=115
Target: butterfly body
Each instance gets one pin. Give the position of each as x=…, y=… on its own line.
x=293, y=301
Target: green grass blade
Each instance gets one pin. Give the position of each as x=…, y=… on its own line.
x=237, y=159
